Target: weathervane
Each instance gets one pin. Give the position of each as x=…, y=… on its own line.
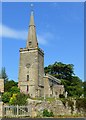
x=32, y=6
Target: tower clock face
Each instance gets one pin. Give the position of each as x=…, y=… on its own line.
x=28, y=65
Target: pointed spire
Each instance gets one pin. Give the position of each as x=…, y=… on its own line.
x=32, y=19
x=32, y=38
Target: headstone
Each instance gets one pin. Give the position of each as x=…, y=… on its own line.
x=66, y=93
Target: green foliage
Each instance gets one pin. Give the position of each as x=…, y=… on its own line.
x=18, y=99
x=73, y=87
x=60, y=70
x=14, y=97
x=9, y=85
x=12, y=100
x=6, y=97
x=46, y=113
x=64, y=100
x=65, y=72
x=51, y=114
x=84, y=85
x=12, y=93
x=70, y=103
x=81, y=104
x=14, y=90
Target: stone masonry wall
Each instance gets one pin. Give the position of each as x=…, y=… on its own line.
x=1, y=85
x=56, y=106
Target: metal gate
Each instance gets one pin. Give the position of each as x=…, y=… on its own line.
x=17, y=111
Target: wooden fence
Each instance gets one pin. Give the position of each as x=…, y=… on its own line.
x=17, y=111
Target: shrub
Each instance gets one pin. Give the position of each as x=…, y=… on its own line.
x=13, y=100
x=51, y=114
x=6, y=97
x=14, y=90
x=18, y=99
x=46, y=113
x=81, y=103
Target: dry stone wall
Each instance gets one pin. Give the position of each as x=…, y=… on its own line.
x=56, y=106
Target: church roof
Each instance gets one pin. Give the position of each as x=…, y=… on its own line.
x=52, y=78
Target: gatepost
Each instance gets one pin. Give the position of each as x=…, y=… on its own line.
x=1, y=109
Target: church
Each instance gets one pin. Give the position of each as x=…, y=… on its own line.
x=32, y=79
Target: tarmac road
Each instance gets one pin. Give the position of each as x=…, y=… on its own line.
x=43, y=119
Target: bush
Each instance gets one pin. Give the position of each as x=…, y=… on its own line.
x=9, y=85
x=81, y=104
x=18, y=99
x=13, y=100
x=6, y=97
x=46, y=113
x=51, y=114
x=14, y=90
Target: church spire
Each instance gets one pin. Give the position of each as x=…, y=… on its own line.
x=32, y=38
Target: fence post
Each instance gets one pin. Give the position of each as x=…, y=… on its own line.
x=17, y=111
x=1, y=109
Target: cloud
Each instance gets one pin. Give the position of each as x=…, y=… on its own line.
x=41, y=40
x=7, y=32
x=45, y=37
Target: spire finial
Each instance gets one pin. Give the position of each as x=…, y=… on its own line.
x=32, y=16
x=32, y=7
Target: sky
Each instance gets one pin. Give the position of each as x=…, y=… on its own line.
x=59, y=28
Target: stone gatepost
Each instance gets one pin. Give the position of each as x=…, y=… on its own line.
x=1, y=109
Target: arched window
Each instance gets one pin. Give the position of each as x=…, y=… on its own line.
x=27, y=77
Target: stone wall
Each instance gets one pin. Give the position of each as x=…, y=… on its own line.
x=1, y=85
x=52, y=88
x=56, y=106
x=31, y=67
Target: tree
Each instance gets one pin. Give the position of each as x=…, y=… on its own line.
x=60, y=70
x=74, y=88
x=9, y=85
x=84, y=86
x=6, y=97
x=14, y=90
x=4, y=75
x=65, y=72
x=18, y=99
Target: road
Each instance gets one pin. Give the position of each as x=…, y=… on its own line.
x=43, y=119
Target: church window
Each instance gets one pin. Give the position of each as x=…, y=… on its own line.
x=27, y=65
x=27, y=77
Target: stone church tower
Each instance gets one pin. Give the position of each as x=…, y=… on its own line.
x=31, y=68
x=31, y=79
